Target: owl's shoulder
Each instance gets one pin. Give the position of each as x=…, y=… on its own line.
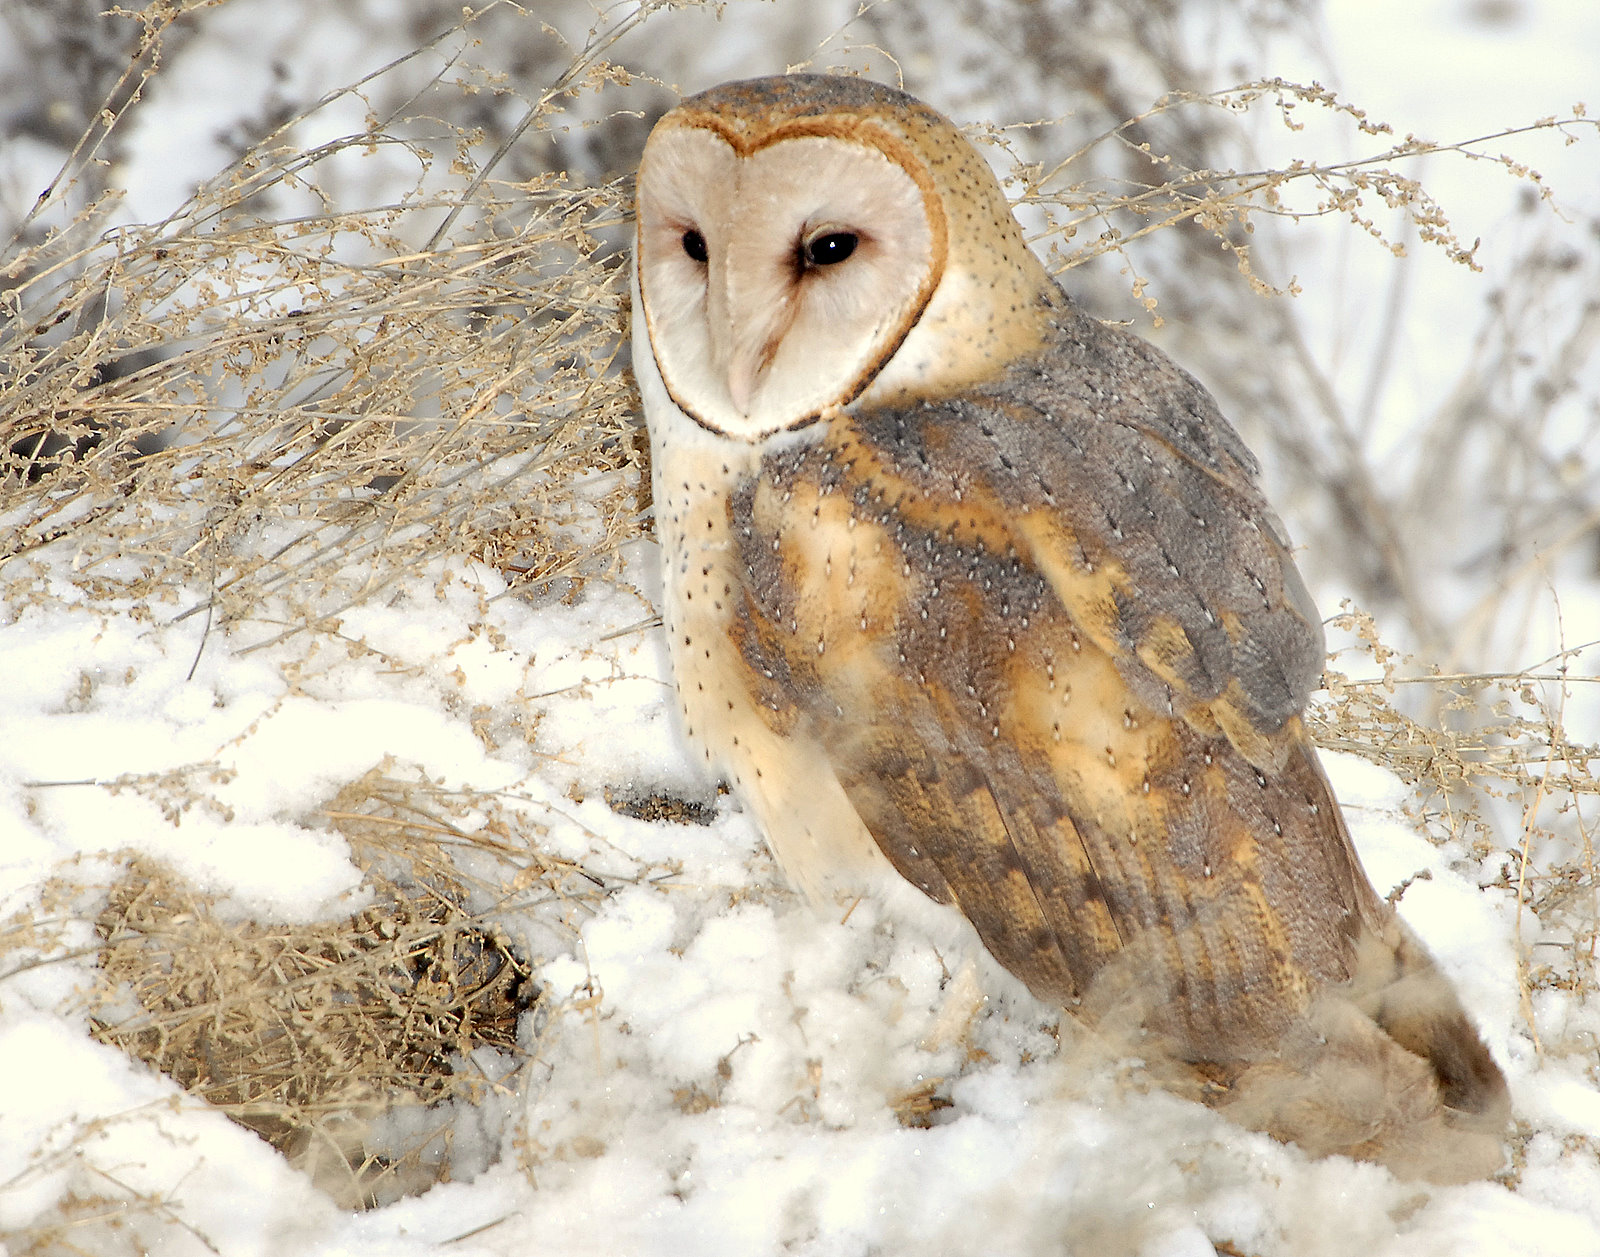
x=1090, y=380
x=1095, y=414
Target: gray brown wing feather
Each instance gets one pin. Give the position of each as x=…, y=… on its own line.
x=1119, y=462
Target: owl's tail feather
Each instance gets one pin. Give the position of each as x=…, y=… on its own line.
x=1386, y=1067
x=1407, y=996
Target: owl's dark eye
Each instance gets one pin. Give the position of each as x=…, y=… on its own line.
x=826, y=250
x=694, y=244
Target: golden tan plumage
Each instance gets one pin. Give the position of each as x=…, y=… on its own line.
x=958, y=577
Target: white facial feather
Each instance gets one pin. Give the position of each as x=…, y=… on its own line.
x=758, y=337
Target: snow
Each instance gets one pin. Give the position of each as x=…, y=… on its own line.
x=720, y=1074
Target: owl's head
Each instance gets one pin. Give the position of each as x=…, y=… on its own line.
x=808, y=240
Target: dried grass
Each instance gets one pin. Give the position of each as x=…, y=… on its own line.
x=289, y=412
x=1497, y=761
x=304, y=1034
x=320, y=1036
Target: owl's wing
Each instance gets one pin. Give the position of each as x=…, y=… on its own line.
x=1111, y=471
x=1052, y=644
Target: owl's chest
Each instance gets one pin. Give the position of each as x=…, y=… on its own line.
x=735, y=661
x=695, y=478
x=778, y=592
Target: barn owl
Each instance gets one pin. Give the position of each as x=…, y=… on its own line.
x=963, y=583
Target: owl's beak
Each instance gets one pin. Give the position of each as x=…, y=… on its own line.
x=744, y=377
x=741, y=343
x=752, y=301
x=754, y=343
x=755, y=313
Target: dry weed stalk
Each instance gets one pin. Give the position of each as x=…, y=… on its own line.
x=1225, y=201
x=305, y=1034
x=1497, y=760
x=99, y=1214
x=285, y=413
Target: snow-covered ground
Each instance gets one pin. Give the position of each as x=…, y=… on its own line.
x=732, y=1090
